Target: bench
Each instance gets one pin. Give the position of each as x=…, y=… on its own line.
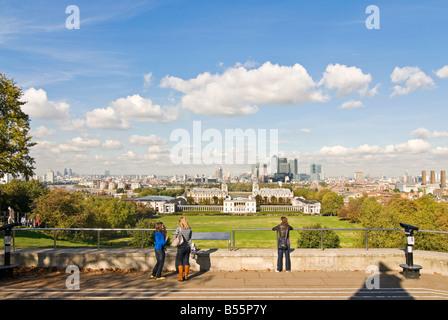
x=211, y=236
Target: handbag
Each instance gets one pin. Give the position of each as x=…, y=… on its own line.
x=177, y=241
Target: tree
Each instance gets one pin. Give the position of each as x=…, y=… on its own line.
x=331, y=203
x=14, y=127
x=20, y=195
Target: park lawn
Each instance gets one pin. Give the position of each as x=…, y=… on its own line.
x=259, y=239
x=205, y=223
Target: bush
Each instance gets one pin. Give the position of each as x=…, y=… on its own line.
x=312, y=239
x=148, y=236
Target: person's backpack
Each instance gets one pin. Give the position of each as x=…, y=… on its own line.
x=283, y=242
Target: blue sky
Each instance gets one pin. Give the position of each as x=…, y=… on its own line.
x=108, y=95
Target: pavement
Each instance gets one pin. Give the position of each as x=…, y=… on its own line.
x=51, y=284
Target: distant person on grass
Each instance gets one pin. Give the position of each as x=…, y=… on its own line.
x=161, y=238
x=283, y=244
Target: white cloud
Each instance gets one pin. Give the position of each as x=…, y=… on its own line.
x=148, y=79
x=107, y=118
x=352, y=104
x=146, y=140
x=138, y=108
x=239, y=91
x=423, y=133
x=412, y=146
x=110, y=144
x=442, y=72
x=347, y=80
x=42, y=133
x=413, y=79
x=38, y=106
x=79, y=144
x=305, y=130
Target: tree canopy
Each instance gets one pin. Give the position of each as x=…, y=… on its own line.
x=15, y=141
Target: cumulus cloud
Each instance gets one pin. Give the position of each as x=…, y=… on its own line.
x=42, y=132
x=442, y=72
x=413, y=79
x=412, y=146
x=146, y=140
x=79, y=144
x=352, y=104
x=239, y=91
x=38, y=106
x=423, y=133
x=138, y=108
x=110, y=144
x=347, y=80
x=106, y=118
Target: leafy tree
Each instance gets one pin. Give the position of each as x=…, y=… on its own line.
x=312, y=239
x=20, y=195
x=62, y=209
x=331, y=203
x=14, y=128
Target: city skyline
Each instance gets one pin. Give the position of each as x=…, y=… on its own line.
x=109, y=95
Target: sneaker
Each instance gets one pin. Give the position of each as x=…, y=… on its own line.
x=277, y=271
x=161, y=278
x=152, y=277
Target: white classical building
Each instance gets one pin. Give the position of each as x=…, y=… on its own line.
x=161, y=204
x=240, y=206
x=203, y=195
x=306, y=206
x=267, y=193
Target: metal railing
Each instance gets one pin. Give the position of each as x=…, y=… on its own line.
x=366, y=230
x=99, y=230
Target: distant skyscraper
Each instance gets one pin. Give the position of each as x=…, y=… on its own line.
x=274, y=165
x=283, y=165
x=358, y=176
x=65, y=171
x=50, y=176
x=315, y=171
x=293, y=166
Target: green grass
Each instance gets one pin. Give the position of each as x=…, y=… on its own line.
x=258, y=239
x=203, y=223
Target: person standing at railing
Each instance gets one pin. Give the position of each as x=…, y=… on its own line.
x=183, y=250
x=283, y=244
x=161, y=237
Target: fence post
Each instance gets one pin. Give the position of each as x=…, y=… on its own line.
x=98, y=241
x=322, y=239
x=367, y=241
x=233, y=237
x=13, y=240
x=54, y=239
x=141, y=240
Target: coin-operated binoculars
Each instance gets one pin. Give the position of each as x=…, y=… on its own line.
x=7, y=270
x=410, y=270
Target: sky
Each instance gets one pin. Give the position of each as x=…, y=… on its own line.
x=112, y=91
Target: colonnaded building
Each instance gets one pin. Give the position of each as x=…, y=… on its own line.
x=220, y=200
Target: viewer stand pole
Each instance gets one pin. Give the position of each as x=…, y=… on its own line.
x=7, y=270
x=410, y=271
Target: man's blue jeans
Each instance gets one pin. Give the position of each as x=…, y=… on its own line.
x=284, y=252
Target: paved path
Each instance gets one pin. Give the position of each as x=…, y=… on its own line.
x=38, y=284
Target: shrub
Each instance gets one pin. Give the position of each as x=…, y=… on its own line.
x=312, y=239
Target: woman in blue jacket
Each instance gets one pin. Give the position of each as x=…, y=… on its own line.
x=161, y=238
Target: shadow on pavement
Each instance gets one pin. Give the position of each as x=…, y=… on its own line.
x=382, y=286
